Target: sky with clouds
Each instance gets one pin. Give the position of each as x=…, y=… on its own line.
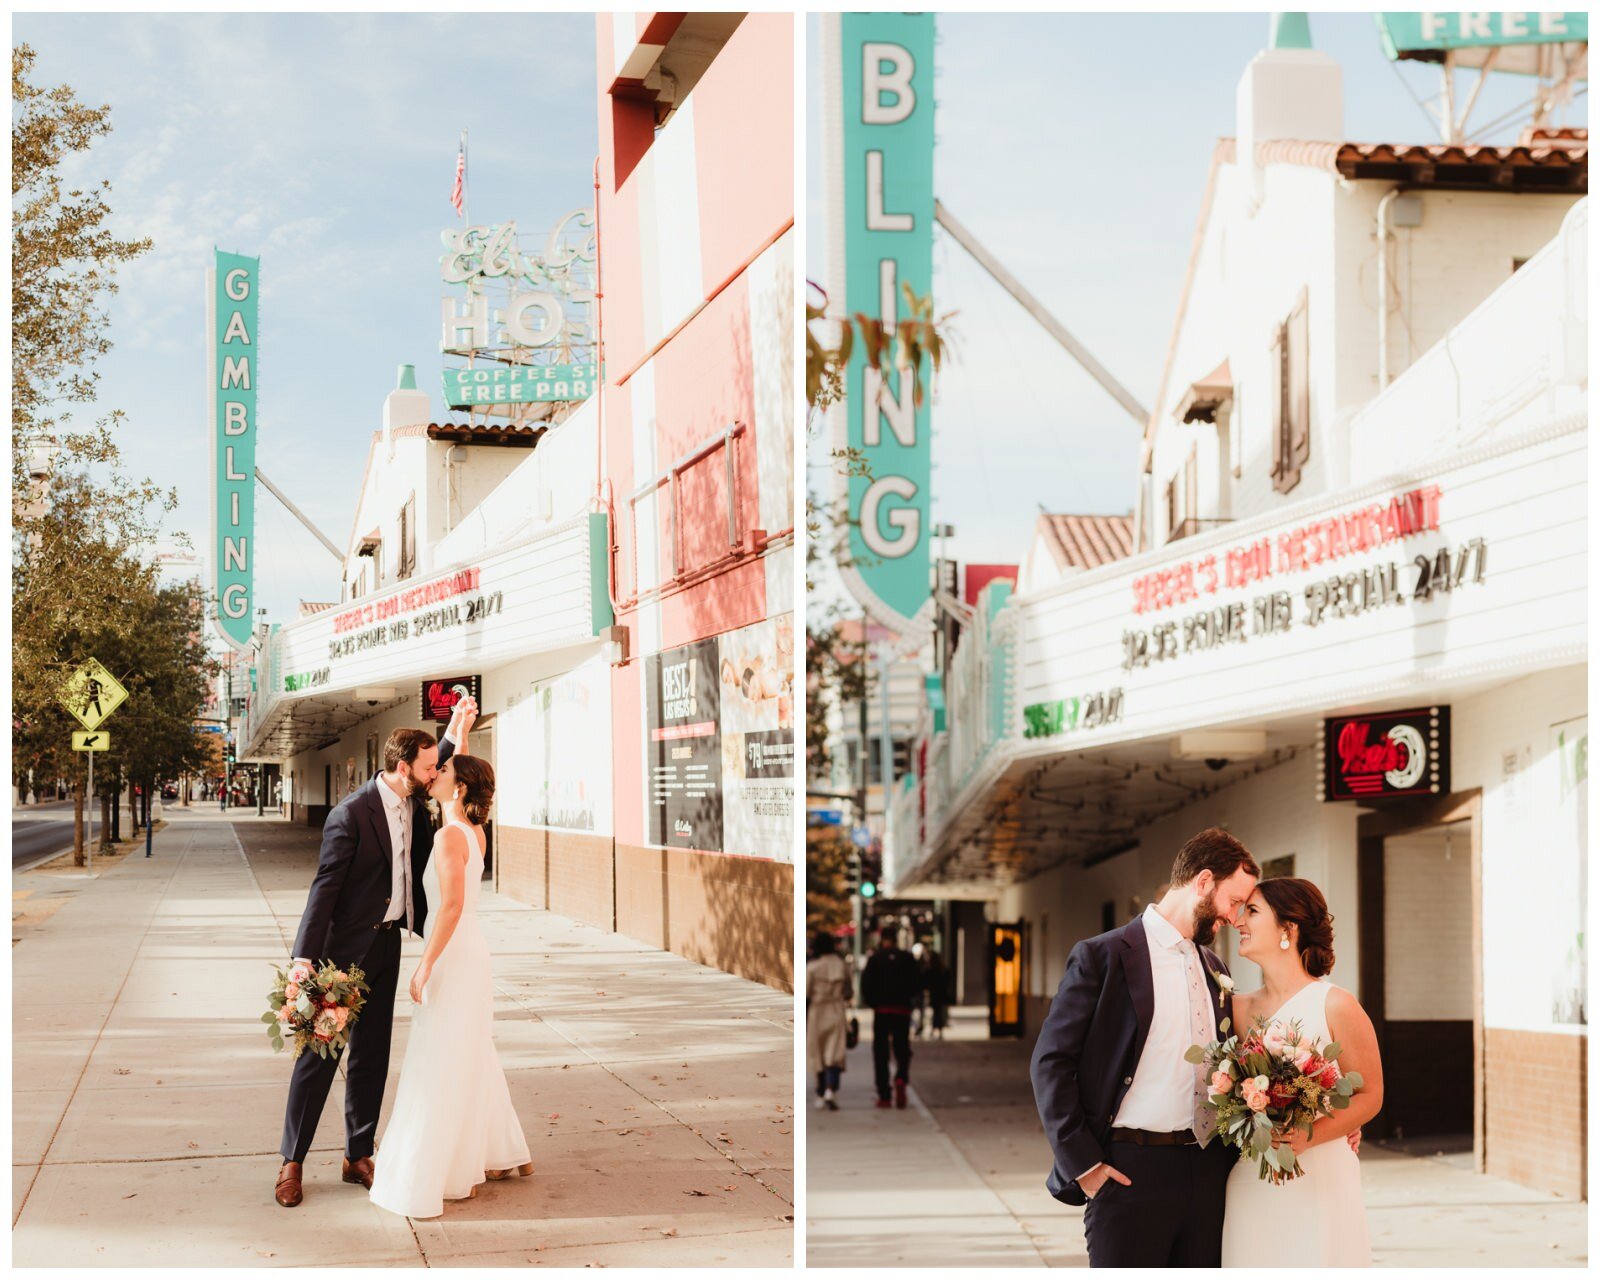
x=327, y=145
x=1076, y=147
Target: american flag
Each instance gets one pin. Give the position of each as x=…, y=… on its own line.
x=461, y=179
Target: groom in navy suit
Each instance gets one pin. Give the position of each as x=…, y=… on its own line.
x=1120, y=1106
x=368, y=887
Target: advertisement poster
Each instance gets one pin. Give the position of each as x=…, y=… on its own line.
x=683, y=754
x=756, y=672
x=557, y=742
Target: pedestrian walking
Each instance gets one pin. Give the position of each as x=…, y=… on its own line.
x=936, y=984
x=828, y=995
x=891, y=986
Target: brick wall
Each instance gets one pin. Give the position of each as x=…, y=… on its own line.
x=563, y=871
x=735, y=914
x=1535, y=1113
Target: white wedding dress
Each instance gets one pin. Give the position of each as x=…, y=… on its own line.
x=1321, y=1214
x=453, y=1119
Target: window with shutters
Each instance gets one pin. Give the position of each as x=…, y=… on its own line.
x=408, y=539
x=1291, y=416
x=1236, y=432
x=1183, y=498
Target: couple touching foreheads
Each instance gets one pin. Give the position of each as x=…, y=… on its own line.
x=1126, y=1113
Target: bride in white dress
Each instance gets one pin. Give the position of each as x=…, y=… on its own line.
x=1286, y=929
x=453, y=1124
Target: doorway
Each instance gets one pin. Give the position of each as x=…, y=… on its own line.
x=1008, y=963
x=1421, y=968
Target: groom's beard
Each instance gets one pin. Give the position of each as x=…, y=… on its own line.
x=1205, y=920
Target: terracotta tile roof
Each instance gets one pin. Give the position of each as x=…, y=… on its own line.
x=1086, y=542
x=1542, y=162
x=466, y=433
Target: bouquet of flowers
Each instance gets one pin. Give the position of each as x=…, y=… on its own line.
x=315, y=1006
x=1269, y=1084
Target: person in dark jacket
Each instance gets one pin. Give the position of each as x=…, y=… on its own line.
x=1122, y=1108
x=891, y=986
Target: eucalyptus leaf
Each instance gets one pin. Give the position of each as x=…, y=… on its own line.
x=1194, y=1053
x=1332, y=1051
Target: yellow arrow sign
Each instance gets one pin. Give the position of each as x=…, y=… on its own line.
x=92, y=694
x=98, y=740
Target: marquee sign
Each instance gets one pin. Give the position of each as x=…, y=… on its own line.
x=1386, y=755
x=540, y=287
x=880, y=105
x=233, y=286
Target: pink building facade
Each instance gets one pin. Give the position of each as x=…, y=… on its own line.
x=696, y=441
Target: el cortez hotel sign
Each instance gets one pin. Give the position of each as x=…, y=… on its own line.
x=233, y=287
x=879, y=69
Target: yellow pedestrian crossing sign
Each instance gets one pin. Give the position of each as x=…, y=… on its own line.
x=98, y=740
x=92, y=694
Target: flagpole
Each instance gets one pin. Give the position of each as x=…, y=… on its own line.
x=466, y=188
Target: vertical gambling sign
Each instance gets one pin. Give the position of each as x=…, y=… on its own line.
x=879, y=127
x=233, y=286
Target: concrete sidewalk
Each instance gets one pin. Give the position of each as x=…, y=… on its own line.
x=656, y=1094
x=957, y=1180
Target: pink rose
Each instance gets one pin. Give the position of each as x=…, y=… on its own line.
x=1221, y=1082
x=300, y=973
x=286, y=1014
x=342, y=976
x=291, y=992
x=1255, y=1099
x=1303, y=1058
x=326, y=1025
x=343, y=1015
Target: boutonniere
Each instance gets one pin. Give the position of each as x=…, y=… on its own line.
x=1224, y=985
x=432, y=807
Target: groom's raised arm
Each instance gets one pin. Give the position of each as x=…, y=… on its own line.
x=1056, y=1056
x=333, y=865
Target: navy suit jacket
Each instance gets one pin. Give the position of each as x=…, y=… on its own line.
x=355, y=875
x=1089, y=1047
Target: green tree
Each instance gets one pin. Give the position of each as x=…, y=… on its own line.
x=827, y=882
x=78, y=520
x=64, y=259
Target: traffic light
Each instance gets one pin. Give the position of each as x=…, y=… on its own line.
x=868, y=889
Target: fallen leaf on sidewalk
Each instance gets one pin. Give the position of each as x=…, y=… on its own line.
x=130, y=1195
x=669, y=1231
x=696, y=1193
x=194, y=1146
x=123, y=1071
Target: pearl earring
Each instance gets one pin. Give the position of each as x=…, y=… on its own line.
x=1283, y=943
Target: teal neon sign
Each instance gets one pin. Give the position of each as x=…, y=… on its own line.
x=232, y=300
x=884, y=74
x=519, y=384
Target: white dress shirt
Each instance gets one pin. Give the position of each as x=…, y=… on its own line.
x=1163, y=1094
x=397, y=809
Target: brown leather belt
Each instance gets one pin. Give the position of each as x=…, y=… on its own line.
x=1145, y=1138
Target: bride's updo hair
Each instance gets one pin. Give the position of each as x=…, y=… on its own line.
x=477, y=776
x=1300, y=903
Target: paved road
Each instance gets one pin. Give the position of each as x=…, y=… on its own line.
x=40, y=830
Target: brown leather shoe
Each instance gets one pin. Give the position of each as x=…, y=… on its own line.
x=359, y=1171
x=288, y=1192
